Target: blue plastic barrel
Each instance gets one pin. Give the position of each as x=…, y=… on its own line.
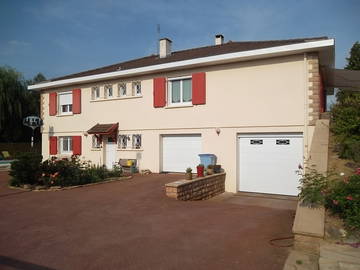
x=207, y=159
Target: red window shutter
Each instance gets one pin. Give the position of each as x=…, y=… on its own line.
x=53, y=145
x=159, y=92
x=199, y=88
x=52, y=103
x=76, y=144
x=76, y=96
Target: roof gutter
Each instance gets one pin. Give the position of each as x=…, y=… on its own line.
x=197, y=62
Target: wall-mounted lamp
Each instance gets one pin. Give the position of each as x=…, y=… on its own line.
x=217, y=131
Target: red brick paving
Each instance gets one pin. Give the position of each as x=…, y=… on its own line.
x=133, y=225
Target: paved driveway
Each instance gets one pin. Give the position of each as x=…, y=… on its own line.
x=132, y=225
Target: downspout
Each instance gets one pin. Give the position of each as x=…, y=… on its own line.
x=306, y=109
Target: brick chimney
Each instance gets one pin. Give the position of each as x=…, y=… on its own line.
x=219, y=39
x=164, y=47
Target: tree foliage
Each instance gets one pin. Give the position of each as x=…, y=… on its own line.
x=16, y=102
x=346, y=114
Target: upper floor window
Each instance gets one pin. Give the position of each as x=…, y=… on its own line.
x=95, y=92
x=122, y=89
x=65, y=145
x=65, y=103
x=180, y=91
x=108, y=91
x=136, y=88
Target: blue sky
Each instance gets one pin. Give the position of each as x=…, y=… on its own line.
x=63, y=37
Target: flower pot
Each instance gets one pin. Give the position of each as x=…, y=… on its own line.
x=209, y=171
x=188, y=176
x=217, y=168
x=200, y=171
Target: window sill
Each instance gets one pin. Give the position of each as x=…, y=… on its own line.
x=130, y=150
x=64, y=115
x=179, y=106
x=115, y=98
x=95, y=149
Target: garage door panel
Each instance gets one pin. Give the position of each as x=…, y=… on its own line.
x=270, y=167
x=180, y=152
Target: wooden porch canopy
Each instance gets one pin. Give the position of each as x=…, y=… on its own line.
x=99, y=130
x=342, y=78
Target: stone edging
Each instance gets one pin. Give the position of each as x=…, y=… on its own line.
x=112, y=179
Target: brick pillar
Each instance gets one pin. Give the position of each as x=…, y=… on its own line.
x=314, y=88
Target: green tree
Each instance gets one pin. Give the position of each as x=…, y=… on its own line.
x=353, y=63
x=346, y=113
x=16, y=102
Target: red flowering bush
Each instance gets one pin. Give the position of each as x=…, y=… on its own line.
x=343, y=200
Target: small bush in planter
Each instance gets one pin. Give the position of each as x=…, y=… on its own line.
x=188, y=174
x=200, y=170
x=210, y=169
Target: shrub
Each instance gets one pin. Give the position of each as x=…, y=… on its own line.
x=64, y=172
x=25, y=169
x=345, y=124
x=344, y=200
x=313, y=188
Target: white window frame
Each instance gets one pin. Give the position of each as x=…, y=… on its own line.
x=169, y=92
x=96, y=142
x=123, y=141
x=120, y=93
x=107, y=87
x=95, y=93
x=61, y=145
x=136, y=141
x=136, y=88
x=69, y=106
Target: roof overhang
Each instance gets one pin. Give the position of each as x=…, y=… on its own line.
x=104, y=129
x=325, y=47
x=342, y=78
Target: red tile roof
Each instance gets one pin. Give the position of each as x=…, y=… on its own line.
x=229, y=47
x=103, y=129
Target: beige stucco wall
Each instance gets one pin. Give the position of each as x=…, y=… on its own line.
x=248, y=97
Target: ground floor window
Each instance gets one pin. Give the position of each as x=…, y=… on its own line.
x=96, y=142
x=66, y=145
x=129, y=141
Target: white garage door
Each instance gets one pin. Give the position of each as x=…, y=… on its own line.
x=180, y=152
x=268, y=163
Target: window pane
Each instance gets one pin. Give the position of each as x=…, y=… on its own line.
x=70, y=143
x=186, y=90
x=175, y=91
x=70, y=108
x=65, y=144
x=64, y=108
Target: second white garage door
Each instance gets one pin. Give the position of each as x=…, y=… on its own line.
x=268, y=163
x=180, y=152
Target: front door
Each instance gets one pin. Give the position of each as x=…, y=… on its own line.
x=110, y=152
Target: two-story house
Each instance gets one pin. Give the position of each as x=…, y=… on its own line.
x=252, y=104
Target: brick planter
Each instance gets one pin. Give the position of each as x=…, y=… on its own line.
x=201, y=188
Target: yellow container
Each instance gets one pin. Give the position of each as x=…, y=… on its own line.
x=129, y=163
